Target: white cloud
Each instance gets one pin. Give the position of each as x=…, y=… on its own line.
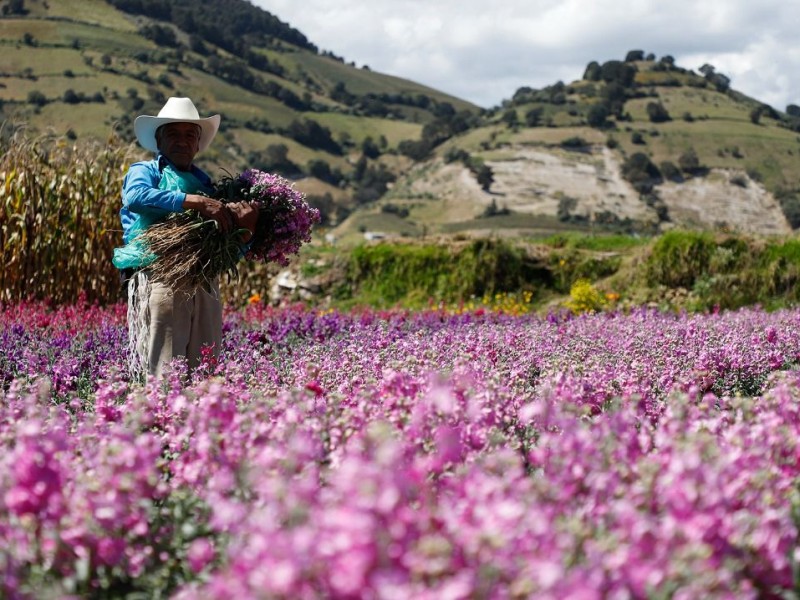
x=483, y=52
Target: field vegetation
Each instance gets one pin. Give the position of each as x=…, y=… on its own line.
x=59, y=224
x=288, y=107
x=571, y=410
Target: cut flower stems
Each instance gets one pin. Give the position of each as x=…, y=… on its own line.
x=191, y=250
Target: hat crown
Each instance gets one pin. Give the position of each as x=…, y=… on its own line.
x=179, y=108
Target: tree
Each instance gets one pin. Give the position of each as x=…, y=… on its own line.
x=657, y=112
x=634, y=55
x=322, y=170
x=755, y=115
x=485, y=177
x=369, y=148
x=510, y=117
x=597, y=116
x=415, y=149
x=592, y=72
x=533, y=117
x=618, y=72
x=640, y=171
x=670, y=171
x=614, y=96
x=313, y=135
x=689, y=162
x=70, y=97
x=14, y=7
x=37, y=98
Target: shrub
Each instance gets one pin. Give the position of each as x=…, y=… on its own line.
x=37, y=98
x=657, y=113
x=678, y=258
x=533, y=117
x=585, y=298
x=640, y=171
x=393, y=209
x=385, y=274
x=574, y=142
x=670, y=171
x=739, y=180
x=456, y=155
x=597, y=116
x=689, y=162
x=70, y=97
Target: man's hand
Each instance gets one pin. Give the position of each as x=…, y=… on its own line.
x=210, y=209
x=246, y=216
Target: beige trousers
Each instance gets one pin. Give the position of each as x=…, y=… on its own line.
x=175, y=323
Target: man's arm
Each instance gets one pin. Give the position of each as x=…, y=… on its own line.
x=140, y=193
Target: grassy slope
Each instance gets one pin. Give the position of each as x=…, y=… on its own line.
x=721, y=132
x=54, y=65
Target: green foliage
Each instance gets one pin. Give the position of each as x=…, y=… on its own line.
x=670, y=171
x=689, y=162
x=634, y=55
x=571, y=264
x=640, y=171
x=597, y=243
x=678, y=258
x=493, y=210
x=412, y=275
x=585, y=298
x=597, y=116
x=657, y=113
x=574, y=143
x=59, y=219
x=533, y=117
x=235, y=26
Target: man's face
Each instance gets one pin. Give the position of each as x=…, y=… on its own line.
x=179, y=142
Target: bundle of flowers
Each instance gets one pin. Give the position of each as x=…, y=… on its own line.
x=189, y=248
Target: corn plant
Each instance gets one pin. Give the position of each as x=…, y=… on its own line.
x=59, y=218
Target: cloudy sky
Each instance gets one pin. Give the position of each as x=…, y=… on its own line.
x=484, y=50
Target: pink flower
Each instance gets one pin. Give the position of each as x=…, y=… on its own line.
x=200, y=553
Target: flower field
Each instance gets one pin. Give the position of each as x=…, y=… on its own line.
x=404, y=455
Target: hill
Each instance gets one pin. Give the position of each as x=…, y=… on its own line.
x=639, y=145
x=87, y=68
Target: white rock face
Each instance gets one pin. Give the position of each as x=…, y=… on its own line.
x=534, y=181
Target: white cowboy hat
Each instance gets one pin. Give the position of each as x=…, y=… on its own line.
x=176, y=110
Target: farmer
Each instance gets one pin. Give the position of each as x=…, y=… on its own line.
x=170, y=321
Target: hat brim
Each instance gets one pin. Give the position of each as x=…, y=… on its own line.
x=145, y=129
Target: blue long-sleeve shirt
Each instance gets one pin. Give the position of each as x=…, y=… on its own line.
x=141, y=195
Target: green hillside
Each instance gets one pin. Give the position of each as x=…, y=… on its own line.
x=87, y=68
x=378, y=153
x=667, y=128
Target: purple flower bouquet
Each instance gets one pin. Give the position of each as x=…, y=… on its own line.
x=188, y=249
x=284, y=218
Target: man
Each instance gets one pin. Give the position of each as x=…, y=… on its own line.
x=167, y=322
